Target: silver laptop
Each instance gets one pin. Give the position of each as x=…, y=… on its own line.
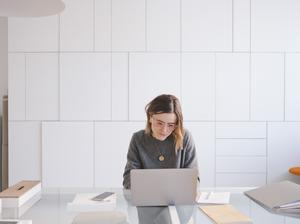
x=158, y=187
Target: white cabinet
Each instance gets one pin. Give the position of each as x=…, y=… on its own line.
x=206, y=25
x=232, y=87
x=241, y=154
x=128, y=25
x=33, y=34
x=16, y=86
x=283, y=150
x=267, y=87
x=67, y=154
x=198, y=86
x=163, y=25
x=76, y=26
x=42, y=87
x=24, y=157
x=119, y=98
x=85, y=86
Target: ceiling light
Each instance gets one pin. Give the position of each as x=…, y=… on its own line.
x=30, y=8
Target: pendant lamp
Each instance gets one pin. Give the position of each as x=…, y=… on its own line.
x=30, y=8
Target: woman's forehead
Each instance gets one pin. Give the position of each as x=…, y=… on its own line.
x=166, y=117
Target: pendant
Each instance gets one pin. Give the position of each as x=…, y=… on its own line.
x=161, y=158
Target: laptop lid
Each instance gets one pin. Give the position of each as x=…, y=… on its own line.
x=159, y=187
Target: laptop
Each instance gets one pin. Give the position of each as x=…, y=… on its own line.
x=162, y=187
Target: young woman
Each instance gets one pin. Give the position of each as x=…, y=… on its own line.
x=164, y=143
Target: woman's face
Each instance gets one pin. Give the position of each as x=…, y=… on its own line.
x=162, y=125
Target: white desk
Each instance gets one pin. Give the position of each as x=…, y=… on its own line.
x=52, y=209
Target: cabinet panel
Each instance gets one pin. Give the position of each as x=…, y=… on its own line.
x=267, y=87
x=283, y=150
x=151, y=74
x=76, y=26
x=16, y=87
x=275, y=25
x=119, y=86
x=163, y=25
x=67, y=154
x=241, y=25
x=239, y=164
x=207, y=25
x=232, y=86
x=241, y=130
x=292, y=90
x=240, y=179
x=198, y=86
x=128, y=25
x=24, y=157
x=33, y=34
x=42, y=86
x=85, y=86
x=241, y=147
x=103, y=25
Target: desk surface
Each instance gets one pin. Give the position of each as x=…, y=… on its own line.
x=52, y=208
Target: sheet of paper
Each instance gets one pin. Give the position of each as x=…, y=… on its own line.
x=225, y=214
x=214, y=198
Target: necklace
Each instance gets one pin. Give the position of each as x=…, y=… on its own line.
x=161, y=156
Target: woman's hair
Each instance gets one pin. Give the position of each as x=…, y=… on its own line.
x=167, y=104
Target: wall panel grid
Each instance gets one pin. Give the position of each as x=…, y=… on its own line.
x=234, y=64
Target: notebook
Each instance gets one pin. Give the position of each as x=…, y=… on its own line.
x=160, y=187
x=225, y=214
x=277, y=197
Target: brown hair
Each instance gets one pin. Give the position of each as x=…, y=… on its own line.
x=167, y=104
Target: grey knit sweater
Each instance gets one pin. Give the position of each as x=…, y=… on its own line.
x=144, y=151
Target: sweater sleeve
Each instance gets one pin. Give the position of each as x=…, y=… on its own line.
x=133, y=162
x=190, y=157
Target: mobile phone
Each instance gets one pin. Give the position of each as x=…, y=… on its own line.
x=102, y=196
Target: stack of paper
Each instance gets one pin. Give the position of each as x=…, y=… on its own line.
x=278, y=197
x=214, y=198
x=225, y=214
x=83, y=203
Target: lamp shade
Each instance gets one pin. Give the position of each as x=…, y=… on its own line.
x=30, y=8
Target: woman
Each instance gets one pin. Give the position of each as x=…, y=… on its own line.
x=164, y=143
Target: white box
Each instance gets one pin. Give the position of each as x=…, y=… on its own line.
x=83, y=203
x=17, y=199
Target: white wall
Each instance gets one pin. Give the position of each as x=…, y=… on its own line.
x=78, y=84
x=3, y=59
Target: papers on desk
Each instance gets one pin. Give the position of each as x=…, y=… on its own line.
x=214, y=198
x=83, y=203
x=225, y=214
x=278, y=197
